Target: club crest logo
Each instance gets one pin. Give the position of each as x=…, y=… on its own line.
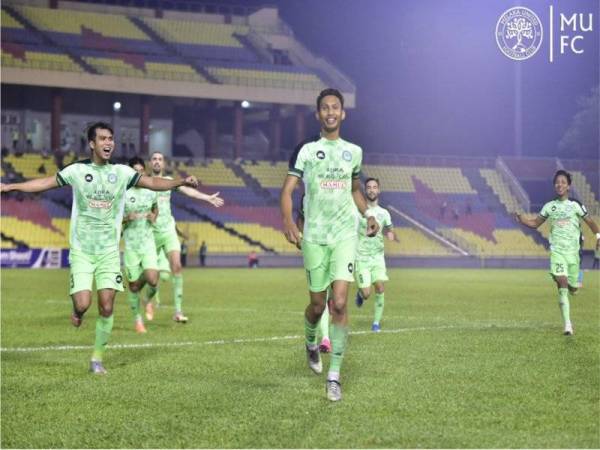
x=347, y=155
x=519, y=33
x=112, y=178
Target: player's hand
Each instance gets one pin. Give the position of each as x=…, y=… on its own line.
x=372, y=226
x=292, y=233
x=191, y=181
x=517, y=217
x=215, y=200
x=4, y=187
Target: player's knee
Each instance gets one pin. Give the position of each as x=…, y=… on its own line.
x=152, y=278
x=106, y=310
x=134, y=287
x=379, y=289
x=318, y=308
x=338, y=307
x=176, y=268
x=366, y=293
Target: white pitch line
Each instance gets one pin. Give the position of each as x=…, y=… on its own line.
x=55, y=348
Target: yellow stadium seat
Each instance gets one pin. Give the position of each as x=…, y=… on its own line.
x=71, y=21
x=214, y=173
x=41, y=61
x=268, y=175
x=199, y=33
x=442, y=180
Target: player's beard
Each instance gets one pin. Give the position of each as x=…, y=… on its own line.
x=374, y=199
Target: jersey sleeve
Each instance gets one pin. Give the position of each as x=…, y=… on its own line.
x=357, y=163
x=545, y=211
x=66, y=176
x=131, y=176
x=388, y=221
x=296, y=164
x=581, y=210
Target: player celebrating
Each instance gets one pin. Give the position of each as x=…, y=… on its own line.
x=564, y=214
x=330, y=169
x=98, y=202
x=370, y=261
x=141, y=263
x=165, y=234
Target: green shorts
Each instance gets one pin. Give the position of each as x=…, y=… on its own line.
x=168, y=241
x=136, y=261
x=565, y=265
x=370, y=270
x=163, y=262
x=105, y=269
x=325, y=264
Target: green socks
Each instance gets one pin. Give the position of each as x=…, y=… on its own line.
x=339, y=337
x=563, y=302
x=324, y=322
x=178, y=291
x=103, y=328
x=379, y=302
x=310, y=331
x=133, y=300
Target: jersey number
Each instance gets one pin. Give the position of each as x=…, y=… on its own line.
x=559, y=268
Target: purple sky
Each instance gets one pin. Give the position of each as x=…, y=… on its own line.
x=431, y=80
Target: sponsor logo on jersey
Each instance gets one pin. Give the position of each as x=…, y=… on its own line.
x=119, y=279
x=333, y=184
x=132, y=199
x=350, y=267
x=89, y=177
x=101, y=204
x=321, y=154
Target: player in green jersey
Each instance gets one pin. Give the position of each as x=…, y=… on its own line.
x=330, y=168
x=98, y=202
x=370, y=261
x=141, y=265
x=165, y=235
x=325, y=345
x=563, y=214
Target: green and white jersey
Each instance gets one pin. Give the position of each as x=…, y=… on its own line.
x=564, y=224
x=327, y=169
x=165, y=222
x=138, y=232
x=373, y=246
x=98, y=203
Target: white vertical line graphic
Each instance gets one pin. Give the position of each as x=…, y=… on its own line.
x=551, y=33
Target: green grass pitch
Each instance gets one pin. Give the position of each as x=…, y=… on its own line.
x=468, y=358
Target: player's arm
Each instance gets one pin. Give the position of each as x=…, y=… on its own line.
x=213, y=199
x=32, y=186
x=594, y=227
x=290, y=229
x=531, y=223
x=180, y=233
x=388, y=232
x=164, y=184
x=153, y=214
x=361, y=204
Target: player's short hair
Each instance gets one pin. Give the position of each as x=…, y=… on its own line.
x=160, y=153
x=136, y=160
x=376, y=180
x=91, y=131
x=329, y=91
x=563, y=173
